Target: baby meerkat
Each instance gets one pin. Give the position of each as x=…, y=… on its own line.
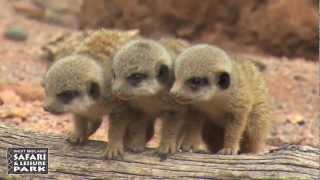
x=229, y=91
x=142, y=78
x=74, y=84
x=79, y=80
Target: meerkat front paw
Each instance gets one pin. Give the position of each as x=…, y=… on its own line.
x=113, y=151
x=77, y=139
x=196, y=147
x=136, y=145
x=165, y=149
x=228, y=151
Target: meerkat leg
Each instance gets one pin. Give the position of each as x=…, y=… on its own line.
x=119, y=121
x=257, y=130
x=93, y=125
x=233, y=132
x=79, y=136
x=172, y=124
x=137, y=133
x=213, y=136
x=192, y=130
x=150, y=129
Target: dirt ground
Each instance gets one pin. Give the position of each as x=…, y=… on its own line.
x=292, y=83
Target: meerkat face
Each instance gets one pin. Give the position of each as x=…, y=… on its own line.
x=141, y=69
x=201, y=72
x=72, y=84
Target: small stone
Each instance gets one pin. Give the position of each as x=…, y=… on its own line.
x=16, y=33
x=296, y=119
x=29, y=9
x=260, y=65
x=299, y=78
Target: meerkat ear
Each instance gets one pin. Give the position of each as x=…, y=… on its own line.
x=163, y=73
x=224, y=80
x=94, y=90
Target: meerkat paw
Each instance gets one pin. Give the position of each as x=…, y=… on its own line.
x=200, y=148
x=77, y=139
x=228, y=151
x=194, y=147
x=166, y=149
x=137, y=146
x=113, y=152
x=186, y=147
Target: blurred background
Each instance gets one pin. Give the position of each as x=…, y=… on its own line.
x=282, y=34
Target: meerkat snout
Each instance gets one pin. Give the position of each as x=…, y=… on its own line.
x=52, y=107
x=175, y=91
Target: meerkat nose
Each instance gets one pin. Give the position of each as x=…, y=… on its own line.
x=174, y=90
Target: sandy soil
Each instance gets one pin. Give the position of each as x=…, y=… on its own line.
x=292, y=83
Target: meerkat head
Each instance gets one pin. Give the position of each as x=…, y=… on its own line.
x=141, y=69
x=201, y=71
x=72, y=84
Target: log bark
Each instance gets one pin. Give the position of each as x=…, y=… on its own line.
x=85, y=162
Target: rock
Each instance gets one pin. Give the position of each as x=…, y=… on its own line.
x=260, y=65
x=299, y=78
x=296, y=119
x=8, y=96
x=283, y=28
x=29, y=9
x=16, y=33
x=13, y=112
x=29, y=92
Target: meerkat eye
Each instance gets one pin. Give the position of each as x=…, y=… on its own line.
x=163, y=73
x=197, y=82
x=67, y=96
x=136, y=78
x=224, y=80
x=94, y=90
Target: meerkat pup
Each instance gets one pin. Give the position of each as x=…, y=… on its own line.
x=229, y=91
x=75, y=84
x=79, y=80
x=142, y=78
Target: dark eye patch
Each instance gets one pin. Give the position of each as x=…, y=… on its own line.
x=224, y=80
x=163, y=74
x=67, y=96
x=197, y=82
x=94, y=90
x=136, y=78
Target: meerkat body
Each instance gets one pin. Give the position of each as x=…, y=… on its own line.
x=79, y=80
x=143, y=77
x=229, y=91
x=73, y=84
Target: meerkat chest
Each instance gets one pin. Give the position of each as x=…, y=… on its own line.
x=216, y=111
x=95, y=111
x=151, y=106
x=217, y=116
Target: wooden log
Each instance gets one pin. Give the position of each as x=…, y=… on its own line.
x=85, y=162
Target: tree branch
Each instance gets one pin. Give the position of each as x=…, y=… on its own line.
x=66, y=161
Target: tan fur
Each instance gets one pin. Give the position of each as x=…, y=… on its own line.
x=80, y=59
x=150, y=98
x=191, y=139
x=77, y=73
x=242, y=109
